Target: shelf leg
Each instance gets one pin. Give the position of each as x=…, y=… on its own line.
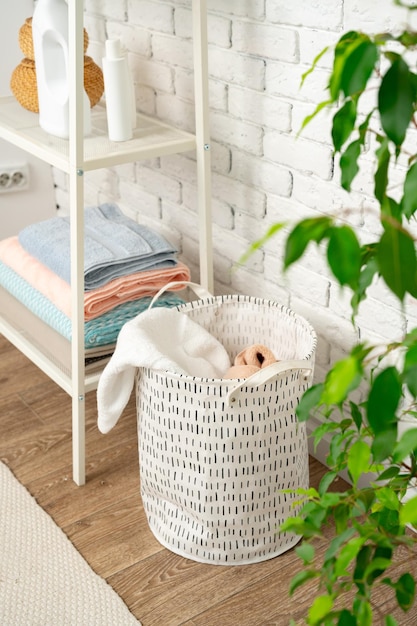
x=78, y=440
x=76, y=190
x=203, y=151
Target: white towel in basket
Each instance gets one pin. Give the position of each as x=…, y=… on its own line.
x=161, y=339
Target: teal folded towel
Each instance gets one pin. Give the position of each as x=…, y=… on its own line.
x=114, y=246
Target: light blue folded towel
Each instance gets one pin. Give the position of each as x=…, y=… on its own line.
x=115, y=246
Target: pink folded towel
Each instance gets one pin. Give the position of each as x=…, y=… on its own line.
x=250, y=360
x=97, y=301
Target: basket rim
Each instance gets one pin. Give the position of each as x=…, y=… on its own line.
x=223, y=382
x=211, y=301
x=233, y=298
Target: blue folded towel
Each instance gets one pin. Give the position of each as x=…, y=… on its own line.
x=114, y=246
x=101, y=331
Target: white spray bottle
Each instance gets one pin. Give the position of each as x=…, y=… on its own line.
x=50, y=43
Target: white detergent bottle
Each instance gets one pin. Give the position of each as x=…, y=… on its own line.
x=50, y=44
x=118, y=90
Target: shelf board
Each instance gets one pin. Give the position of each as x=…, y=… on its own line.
x=49, y=350
x=151, y=138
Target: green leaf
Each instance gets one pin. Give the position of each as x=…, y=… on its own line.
x=383, y=400
x=321, y=607
x=337, y=457
x=348, y=554
x=313, y=65
x=409, y=200
x=411, y=338
x=405, y=590
x=316, y=516
x=305, y=552
x=337, y=542
x=310, y=229
x=300, y=578
x=360, y=59
x=308, y=118
x=408, y=512
x=293, y=524
x=410, y=370
x=366, y=497
x=406, y=445
x=356, y=414
x=390, y=621
x=391, y=208
x=384, y=443
x=342, y=517
x=341, y=51
x=261, y=242
x=326, y=481
x=408, y=38
x=359, y=455
x=389, y=520
x=340, y=380
x=396, y=100
x=390, y=472
x=363, y=611
x=362, y=561
x=344, y=255
x=396, y=258
x=347, y=619
x=324, y=429
x=366, y=276
x=343, y=124
x=363, y=128
x=349, y=164
x=330, y=500
x=410, y=379
x=388, y=498
x=309, y=401
x=376, y=567
x=383, y=155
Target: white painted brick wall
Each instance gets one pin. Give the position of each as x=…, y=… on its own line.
x=317, y=14
x=258, y=52
x=265, y=40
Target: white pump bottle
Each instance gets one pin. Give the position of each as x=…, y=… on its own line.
x=50, y=43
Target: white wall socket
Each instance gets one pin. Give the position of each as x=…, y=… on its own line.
x=14, y=177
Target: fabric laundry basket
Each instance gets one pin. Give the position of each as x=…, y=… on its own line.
x=217, y=456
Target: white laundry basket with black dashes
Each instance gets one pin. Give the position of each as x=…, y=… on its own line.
x=217, y=456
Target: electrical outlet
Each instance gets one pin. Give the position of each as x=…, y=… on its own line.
x=14, y=177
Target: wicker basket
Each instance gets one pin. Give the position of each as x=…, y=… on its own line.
x=23, y=79
x=23, y=85
x=216, y=456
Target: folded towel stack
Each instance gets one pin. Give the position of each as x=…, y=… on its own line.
x=96, y=301
x=125, y=264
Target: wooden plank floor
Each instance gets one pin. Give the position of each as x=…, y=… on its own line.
x=106, y=522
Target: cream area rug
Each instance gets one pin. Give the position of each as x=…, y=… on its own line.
x=44, y=581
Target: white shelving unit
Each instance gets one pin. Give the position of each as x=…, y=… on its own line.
x=78, y=155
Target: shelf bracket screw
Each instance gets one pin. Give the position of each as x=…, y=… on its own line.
x=80, y=172
x=206, y=146
x=81, y=398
